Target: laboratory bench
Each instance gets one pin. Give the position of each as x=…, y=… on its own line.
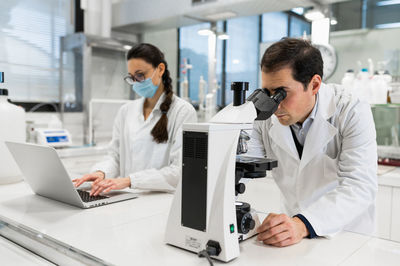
x=132, y=232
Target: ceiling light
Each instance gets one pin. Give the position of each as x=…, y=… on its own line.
x=388, y=3
x=127, y=47
x=314, y=14
x=388, y=25
x=298, y=10
x=223, y=36
x=333, y=21
x=205, y=32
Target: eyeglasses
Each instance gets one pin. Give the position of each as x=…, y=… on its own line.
x=138, y=77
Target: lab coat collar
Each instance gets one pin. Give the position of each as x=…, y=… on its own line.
x=156, y=107
x=321, y=130
x=159, y=102
x=282, y=136
x=326, y=104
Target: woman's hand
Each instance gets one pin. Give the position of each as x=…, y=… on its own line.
x=96, y=177
x=107, y=185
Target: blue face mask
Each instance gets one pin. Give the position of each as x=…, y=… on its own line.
x=146, y=88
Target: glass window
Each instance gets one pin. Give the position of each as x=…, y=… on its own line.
x=274, y=26
x=298, y=26
x=242, y=53
x=194, y=51
x=219, y=56
x=30, y=32
x=383, y=14
x=348, y=15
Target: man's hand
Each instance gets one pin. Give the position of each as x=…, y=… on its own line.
x=280, y=230
x=107, y=185
x=96, y=177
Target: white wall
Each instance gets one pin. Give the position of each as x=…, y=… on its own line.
x=377, y=44
x=167, y=42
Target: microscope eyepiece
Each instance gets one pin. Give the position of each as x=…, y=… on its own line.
x=265, y=103
x=239, y=92
x=279, y=95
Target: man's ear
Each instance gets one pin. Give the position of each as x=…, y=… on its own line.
x=315, y=84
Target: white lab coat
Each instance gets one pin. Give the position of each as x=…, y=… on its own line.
x=334, y=185
x=133, y=152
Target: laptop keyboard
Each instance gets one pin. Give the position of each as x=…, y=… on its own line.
x=85, y=196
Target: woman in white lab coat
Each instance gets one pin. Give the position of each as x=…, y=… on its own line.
x=144, y=152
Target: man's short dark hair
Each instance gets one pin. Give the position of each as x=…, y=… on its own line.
x=304, y=59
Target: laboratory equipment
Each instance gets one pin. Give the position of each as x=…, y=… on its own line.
x=211, y=102
x=184, y=85
x=54, y=137
x=202, y=92
x=47, y=131
x=204, y=216
x=348, y=79
x=12, y=124
x=379, y=88
x=362, y=86
x=91, y=67
x=185, y=89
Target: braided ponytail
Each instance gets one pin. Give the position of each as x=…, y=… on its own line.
x=159, y=131
x=154, y=56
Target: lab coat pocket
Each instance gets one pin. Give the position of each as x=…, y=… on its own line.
x=330, y=170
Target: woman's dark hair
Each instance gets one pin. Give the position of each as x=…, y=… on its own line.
x=304, y=59
x=152, y=55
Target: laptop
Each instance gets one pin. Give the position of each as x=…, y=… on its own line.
x=47, y=176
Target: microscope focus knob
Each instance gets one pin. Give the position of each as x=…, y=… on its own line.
x=250, y=224
x=245, y=223
x=240, y=188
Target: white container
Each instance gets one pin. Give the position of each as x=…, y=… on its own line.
x=379, y=90
x=348, y=80
x=362, y=86
x=202, y=92
x=185, y=89
x=12, y=128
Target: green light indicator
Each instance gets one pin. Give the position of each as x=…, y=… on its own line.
x=232, y=228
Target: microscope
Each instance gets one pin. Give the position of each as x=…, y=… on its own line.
x=204, y=215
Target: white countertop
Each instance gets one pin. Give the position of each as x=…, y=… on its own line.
x=82, y=151
x=391, y=176
x=132, y=232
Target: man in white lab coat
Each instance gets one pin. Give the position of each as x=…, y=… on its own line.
x=324, y=141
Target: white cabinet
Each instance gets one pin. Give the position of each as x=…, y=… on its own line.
x=395, y=227
x=383, y=211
